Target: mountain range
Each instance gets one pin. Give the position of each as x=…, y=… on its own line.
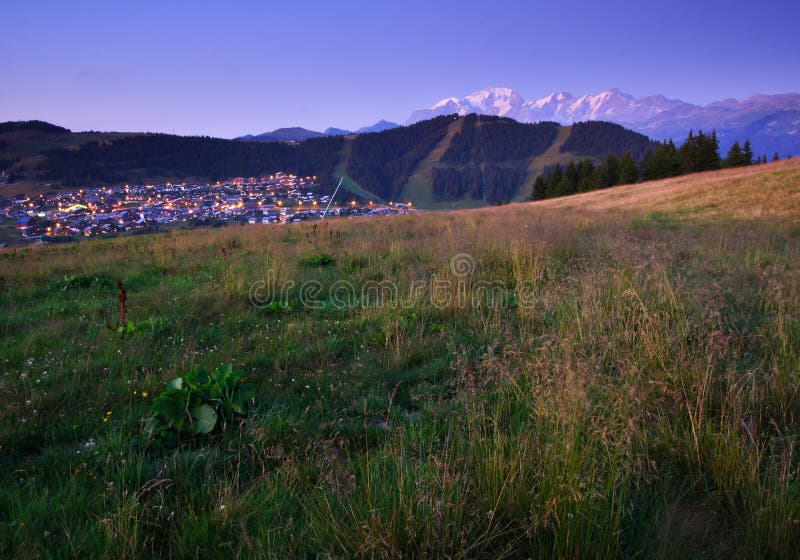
x=298, y=134
x=771, y=122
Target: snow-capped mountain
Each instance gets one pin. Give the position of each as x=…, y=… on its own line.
x=563, y=107
x=503, y=102
x=772, y=119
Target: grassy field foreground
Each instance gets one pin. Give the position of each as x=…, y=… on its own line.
x=639, y=399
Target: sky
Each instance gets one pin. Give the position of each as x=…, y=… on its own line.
x=237, y=67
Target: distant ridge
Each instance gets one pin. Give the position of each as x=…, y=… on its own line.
x=38, y=126
x=379, y=126
x=331, y=131
x=298, y=134
x=293, y=134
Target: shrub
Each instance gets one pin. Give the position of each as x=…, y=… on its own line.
x=199, y=403
x=323, y=259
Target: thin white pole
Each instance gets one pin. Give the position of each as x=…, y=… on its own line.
x=325, y=213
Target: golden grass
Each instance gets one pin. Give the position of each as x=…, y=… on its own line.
x=771, y=189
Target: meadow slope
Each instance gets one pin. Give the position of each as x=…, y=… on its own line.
x=613, y=374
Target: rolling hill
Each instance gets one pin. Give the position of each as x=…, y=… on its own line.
x=291, y=134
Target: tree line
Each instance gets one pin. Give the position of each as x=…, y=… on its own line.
x=700, y=152
x=597, y=139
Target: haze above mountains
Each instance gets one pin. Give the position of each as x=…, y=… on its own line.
x=771, y=122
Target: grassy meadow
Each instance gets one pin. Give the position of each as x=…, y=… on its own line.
x=641, y=398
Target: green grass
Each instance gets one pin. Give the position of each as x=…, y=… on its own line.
x=9, y=233
x=639, y=400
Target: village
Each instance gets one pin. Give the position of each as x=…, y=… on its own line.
x=275, y=199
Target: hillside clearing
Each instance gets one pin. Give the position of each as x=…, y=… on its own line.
x=340, y=172
x=420, y=185
x=551, y=157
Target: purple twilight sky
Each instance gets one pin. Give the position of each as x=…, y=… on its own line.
x=231, y=68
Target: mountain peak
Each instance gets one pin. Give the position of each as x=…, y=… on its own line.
x=501, y=92
x=379, y=126
x=501, y=101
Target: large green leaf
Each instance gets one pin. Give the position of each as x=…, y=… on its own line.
x=197, y=379
x=168, y=408
x=204, y=418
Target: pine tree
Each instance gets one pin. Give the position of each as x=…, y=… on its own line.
x=553, y=180
x=564, y=187
x=573, y=176
x=735, y=157
x=708, y=158
x=747, y=153
x=647, y=164
x=586, y=175
x=628, y=173
x=776, y=157
x=690, y=151
x=665, y=161
x=612, y=168
x=669, y=162
x=539, y=190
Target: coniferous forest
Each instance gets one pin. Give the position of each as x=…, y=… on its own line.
x=140, y=158
x=700, y=152
x=597, y=139
x=488, y=158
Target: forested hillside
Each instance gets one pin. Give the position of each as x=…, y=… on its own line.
x=142, y=158
x=597, y=139
x=488, y=159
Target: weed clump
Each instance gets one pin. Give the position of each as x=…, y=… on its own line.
x=318, y=261
x=198, y=404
